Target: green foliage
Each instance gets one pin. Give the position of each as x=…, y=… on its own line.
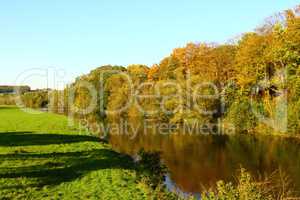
x=7, y=99
x=38, y=99
x=151, y=168
x=246, y=189
x=241, y=115
x=294, y=117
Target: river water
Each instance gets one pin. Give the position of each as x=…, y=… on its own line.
x=196, y=161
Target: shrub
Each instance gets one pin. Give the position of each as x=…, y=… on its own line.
x=151, y=168
x=248, y=189
x=241, y=115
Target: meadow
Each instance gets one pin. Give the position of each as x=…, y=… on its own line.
x=42, y=158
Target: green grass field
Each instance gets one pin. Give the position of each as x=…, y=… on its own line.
x=42, y=158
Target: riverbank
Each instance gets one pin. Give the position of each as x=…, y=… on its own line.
x=42, y=158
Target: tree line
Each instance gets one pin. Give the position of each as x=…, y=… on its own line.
x=244, y=83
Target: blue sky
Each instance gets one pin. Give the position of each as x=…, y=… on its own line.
x=78, y=36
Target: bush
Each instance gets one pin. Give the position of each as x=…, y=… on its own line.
x=248, y=189
x=294, y=118
x=241, y=115
x=151, y=168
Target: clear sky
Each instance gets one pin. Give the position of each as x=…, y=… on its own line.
x=78, y=36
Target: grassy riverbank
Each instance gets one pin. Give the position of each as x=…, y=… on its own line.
x=42, y=158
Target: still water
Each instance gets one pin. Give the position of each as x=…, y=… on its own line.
x=198, y=161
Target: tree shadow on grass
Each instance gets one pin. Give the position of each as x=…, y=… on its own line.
x=64, y=167
x=55, y=167
x=6, y=107
x=29, y=139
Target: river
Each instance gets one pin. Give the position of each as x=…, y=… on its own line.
x=197, y=161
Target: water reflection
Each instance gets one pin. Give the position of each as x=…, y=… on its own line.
x=198, y=161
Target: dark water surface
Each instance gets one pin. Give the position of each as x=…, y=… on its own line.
x=197, y=161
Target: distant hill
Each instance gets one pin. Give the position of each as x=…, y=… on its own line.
x=5, y=89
